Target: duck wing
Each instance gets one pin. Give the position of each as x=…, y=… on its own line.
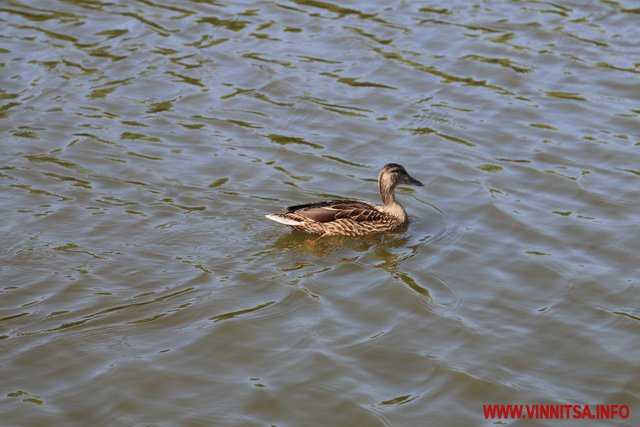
x=331, y=210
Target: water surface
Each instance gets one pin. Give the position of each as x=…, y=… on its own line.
x=143, y=142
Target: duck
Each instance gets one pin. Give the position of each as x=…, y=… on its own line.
x=345, y=217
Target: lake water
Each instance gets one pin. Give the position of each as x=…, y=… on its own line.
x=144, y=141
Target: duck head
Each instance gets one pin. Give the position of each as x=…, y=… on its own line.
x=393, y=174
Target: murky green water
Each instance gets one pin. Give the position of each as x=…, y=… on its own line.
x=143, y=141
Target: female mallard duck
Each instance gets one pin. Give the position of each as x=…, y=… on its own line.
x=353, y=217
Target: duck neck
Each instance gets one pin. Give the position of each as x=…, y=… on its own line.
x=389, y=203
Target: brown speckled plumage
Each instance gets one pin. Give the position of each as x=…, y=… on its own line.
x=353, y=217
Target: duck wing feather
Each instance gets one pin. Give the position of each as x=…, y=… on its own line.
x=331, y=210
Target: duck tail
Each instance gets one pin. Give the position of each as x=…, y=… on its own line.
x=283, y=220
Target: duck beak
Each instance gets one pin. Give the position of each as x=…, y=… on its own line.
x=412, y=181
